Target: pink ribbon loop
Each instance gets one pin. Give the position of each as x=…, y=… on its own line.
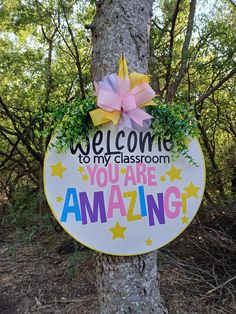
x=128, y=103
x=114, y=94
x=109, y=101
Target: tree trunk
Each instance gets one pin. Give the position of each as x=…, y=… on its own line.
x=120, y=26
x=125, y=284
x=128, y=284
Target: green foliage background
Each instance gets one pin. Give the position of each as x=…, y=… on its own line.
x=45, y=57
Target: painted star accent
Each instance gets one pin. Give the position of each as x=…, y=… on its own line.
x=184, y=220
x=192, y=190
x=162, y=178
x=123, y=171
x=81, y=169
x=148, y=242
x=85, y=177
x=174, y=173
x=59, y=199
x=57, y=170
x=188, y=140
x=118, y=231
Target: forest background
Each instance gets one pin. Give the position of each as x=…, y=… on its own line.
x=45, y=61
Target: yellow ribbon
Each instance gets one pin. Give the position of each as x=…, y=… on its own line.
x=100, y=116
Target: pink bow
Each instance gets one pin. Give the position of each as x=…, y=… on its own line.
x=114, y=94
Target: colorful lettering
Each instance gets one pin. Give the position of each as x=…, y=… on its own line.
x=98, y=205
x=142, y=201
x=74, y=208
x=157, y=209
x=133, y=197
x=119, y=204
x=176, y=204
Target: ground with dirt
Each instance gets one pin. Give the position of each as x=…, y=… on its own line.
x=46, y=276
x=34, y=278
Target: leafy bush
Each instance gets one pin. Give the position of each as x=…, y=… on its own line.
x=24, y=217
x=23, y=205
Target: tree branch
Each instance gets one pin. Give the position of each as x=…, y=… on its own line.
x=217, y=86
x=77, y=55
x=168, y=70
x=222, y=285
x=232, y=2
x=9, y=156
x=185, y=53
x=19, y=134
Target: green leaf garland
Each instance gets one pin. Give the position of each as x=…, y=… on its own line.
x=72, y=121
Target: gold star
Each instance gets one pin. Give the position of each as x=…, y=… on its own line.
x=184, y=220
x=59, y=199
x=85, y=177
x=81, y=169
x=192, y=190
x=162, y=178
x=118, y=231
x=174, y=173
x=148, y=242
x=188, y=140
x=57, y=170
x=123, y=171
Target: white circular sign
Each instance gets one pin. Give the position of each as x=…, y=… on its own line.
x=121, y=193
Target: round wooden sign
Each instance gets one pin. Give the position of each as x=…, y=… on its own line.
x=121, y=193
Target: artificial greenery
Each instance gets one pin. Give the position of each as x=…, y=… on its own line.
x=72, y=121
x=174, y=121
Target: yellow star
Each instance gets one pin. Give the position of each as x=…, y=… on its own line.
x=192, y=190
x=184, y=220
x=188, y=140
x=162, y=178
x=85, y=177
x=81, y=169
x=59, y=199
x=148, y=242
x=57, y=170
x=174, y=173
x=123, y=171
x=118, y=231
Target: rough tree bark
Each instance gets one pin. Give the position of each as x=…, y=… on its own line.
x=120, y=27
x=125, y=284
